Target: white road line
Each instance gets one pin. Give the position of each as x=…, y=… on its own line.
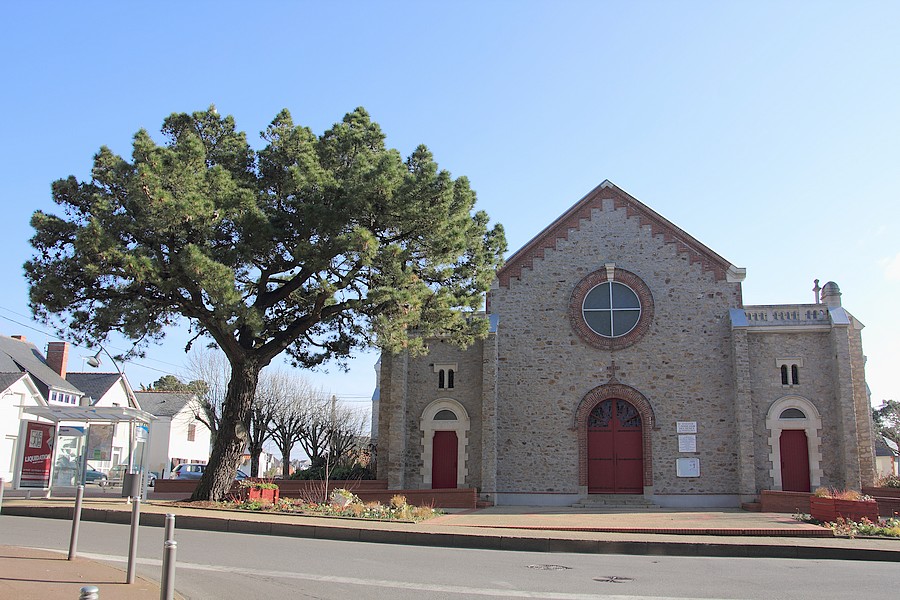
x=386, y=583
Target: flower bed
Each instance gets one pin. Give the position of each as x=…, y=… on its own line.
x=342, y=504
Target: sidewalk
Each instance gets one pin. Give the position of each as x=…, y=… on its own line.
x=26, y=573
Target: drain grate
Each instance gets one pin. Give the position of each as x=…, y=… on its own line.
x=613, y=579
x=549, y=567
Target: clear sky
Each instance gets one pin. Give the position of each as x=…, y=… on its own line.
x=770, y=131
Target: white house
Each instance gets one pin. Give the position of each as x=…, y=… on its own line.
x=177, y=435
x=28, y=378
x=18, y=391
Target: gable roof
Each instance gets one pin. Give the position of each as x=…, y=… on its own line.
x=94, y=385
x=163, y=404
x=16, y=355
x=7, y=379
x=572, y=218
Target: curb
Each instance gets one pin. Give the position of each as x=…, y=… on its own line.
x=480, y=540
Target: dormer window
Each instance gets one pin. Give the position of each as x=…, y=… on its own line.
x=446, y=375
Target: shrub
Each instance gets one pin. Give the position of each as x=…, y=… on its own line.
x=888, y=481
x=258, y=484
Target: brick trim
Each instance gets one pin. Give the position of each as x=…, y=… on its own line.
x=582, y=211
x=576, y=316
x=620, y=392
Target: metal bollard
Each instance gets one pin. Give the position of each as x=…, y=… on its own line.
x=90, y=592
x=170, y=527
x=167, y=582
x=76, y=521
x=132, y=543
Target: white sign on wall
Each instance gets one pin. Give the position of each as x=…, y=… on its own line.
x=686, y=427
x=687, y=467
x=687, y=443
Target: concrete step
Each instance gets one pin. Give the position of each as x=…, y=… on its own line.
x=614, y=501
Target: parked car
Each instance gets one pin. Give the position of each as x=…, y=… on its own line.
x=92, y=475
x=195, y=471
x=187, y=471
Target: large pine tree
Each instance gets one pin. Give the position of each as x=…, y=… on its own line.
x=312, y=245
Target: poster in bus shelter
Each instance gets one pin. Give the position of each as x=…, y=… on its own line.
x=38, y=455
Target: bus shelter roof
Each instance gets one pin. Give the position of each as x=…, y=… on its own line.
x=90, y=414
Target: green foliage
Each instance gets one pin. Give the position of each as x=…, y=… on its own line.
x=313, y=245
x=257, y=484
x=170, y=383
x=887, y=420
x=888, y=481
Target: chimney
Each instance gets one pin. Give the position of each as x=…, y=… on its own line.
x=21, y=338
x=58, y=357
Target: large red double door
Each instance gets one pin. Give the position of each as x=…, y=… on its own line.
x=615, y=440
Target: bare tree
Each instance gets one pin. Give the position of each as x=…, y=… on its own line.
x=269, y=393
x=209, y=365
x=346, y=439
x=296, y=404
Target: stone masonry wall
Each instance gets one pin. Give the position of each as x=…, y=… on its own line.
x=816, y=386
x=423, y=386
x=683, y=365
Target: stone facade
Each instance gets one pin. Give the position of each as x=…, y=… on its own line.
x=523, y=398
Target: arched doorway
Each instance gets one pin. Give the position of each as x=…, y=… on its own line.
x=795, y=444
x=615, y=448
x=445, y=425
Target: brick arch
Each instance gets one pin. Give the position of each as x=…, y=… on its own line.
x=590, y=402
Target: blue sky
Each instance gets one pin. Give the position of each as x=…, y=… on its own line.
x=770, y=131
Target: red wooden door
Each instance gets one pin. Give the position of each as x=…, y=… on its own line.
x=444, y=460
x=794, y=460
x=615, y=449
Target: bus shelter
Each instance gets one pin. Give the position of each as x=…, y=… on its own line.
x=58, y=446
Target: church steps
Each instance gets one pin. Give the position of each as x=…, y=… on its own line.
x=614, y=502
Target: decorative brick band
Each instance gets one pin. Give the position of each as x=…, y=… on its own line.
x=581, y=211
x=576, y=315
x=589, y=403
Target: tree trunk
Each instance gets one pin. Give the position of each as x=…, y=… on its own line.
x=255, y=452
x=232, y=435
x=286, y=460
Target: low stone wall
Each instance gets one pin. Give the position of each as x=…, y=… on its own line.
x=784, y=502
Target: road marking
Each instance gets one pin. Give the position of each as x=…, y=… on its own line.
x=386, y=583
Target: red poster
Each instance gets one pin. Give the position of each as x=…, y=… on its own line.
x=38, y=456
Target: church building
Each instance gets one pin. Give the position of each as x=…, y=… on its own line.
x=622, y=360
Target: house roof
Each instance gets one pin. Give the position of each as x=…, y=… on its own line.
x=94, y=385
x=16, y=355
x=582, y=210
x=7, y=379
x=163, y=404
x=884, y=446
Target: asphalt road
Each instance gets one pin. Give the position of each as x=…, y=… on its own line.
x=223, y=566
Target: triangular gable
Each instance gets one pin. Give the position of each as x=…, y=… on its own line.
x=572, y=218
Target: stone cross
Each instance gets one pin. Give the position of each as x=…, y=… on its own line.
x=611, y=369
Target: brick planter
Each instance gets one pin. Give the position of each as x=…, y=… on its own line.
x=266, y=496
x=830, y=509
x=888, y=500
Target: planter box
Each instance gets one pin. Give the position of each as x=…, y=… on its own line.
x=888, y=500
x=266, y=496
x=830, y=509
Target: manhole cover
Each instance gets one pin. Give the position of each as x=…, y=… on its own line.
x=549, y=567
x=613, y=579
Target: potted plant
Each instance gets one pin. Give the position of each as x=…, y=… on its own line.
x=829, y=505
x=257, y=489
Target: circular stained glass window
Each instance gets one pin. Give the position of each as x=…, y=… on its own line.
x=611, y=309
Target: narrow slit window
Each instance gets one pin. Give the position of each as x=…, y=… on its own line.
x=450, y=378
x=795, y=375
x=784, y=375
x=441, y=379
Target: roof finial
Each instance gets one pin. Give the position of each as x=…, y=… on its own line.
x=816, y=290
